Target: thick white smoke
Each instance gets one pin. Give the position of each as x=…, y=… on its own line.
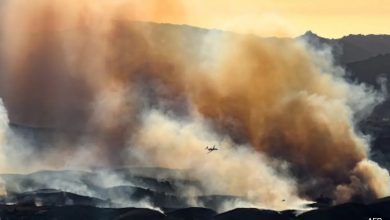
x=3, y=131
x=166, y=141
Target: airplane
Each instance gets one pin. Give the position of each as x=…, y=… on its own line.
x=211, y=149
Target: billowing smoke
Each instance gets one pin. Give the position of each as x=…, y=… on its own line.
x=3, y=128
x=127, y=92
x=237, y=170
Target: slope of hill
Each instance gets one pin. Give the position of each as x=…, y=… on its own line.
x=371, y=70
x=374, y=71
x=360, y=47
x=353, y=48
x=43, y=203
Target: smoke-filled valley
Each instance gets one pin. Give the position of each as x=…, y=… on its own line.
x=120, y=112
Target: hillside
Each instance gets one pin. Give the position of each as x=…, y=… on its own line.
x=353, y=48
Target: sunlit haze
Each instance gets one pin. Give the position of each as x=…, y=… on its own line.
x=328, y=18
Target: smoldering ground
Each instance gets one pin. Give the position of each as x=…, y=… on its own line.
x=133, y=93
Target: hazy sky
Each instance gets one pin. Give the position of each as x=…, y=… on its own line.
x=329, y=18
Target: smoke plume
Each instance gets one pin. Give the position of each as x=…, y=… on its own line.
x=127, y=92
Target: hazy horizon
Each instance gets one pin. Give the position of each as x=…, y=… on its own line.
x=327, y=18
x=279, y=18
